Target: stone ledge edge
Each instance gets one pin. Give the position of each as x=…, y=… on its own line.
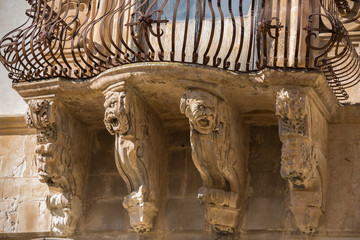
x=14, y=125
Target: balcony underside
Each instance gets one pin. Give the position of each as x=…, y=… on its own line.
x=162, y=85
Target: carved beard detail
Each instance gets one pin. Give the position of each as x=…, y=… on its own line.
x=297, y=161
x=116, y=120
x=201, y=111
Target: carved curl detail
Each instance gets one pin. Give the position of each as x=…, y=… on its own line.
x=291, y=109
x=65, y=210
x=39, y=115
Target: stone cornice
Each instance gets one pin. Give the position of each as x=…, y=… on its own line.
x=248, y=92
x=14, y=125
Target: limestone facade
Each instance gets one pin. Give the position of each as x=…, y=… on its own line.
x=170, y=151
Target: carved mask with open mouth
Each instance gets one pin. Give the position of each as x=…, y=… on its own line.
x=116, y=120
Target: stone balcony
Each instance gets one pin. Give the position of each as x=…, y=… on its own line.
x=79, y=40
x=247, y=87
x=140, y=103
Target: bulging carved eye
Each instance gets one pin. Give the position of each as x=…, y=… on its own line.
x=112, y=104
x=201, y=107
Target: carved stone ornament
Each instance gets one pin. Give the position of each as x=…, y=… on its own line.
x=299, y=164
x=213, y=147
x=40, y=115
x=53, y=161
x=138, y=144
x=116, y=119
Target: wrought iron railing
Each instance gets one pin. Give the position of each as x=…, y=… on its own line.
x=336, y=57
x=78, y=39
x=81, y=38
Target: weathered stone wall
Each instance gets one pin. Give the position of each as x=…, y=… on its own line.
x=343, y=214
x=266, y=193
x=22, y=202
x=268, y=211
x=181, y=215
x=266, y=216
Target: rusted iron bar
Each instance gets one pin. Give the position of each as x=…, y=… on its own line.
x=337, y=58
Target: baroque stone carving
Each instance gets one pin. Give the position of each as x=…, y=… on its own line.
x=53, y=161
x=138, y=145
x=215, y=155
x=299, y=164
x=40, y=115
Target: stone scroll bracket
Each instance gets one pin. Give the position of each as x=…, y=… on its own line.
x=302, y=162
x=139, y=142
x=62, y=154
x=217, y=152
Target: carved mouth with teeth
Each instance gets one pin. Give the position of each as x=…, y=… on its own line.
x=45, y=177
x=116, y=124
x=297, y=178
x=204, y=120
x=113, y=121
x=204, y=123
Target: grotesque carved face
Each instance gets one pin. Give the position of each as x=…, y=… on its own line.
x=116, y=120
x=45, y=167
x=297, y=161
x=44, y=160
x=200, y=108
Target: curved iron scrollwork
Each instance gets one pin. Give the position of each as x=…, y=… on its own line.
x=78, y=39
x=267, y=27
x=338, y=58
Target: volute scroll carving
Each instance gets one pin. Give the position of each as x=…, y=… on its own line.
x=216, y=156
x=299, y=160
x=54, y=160
x=138, y=142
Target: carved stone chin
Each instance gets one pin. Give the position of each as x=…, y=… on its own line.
x=138, y=142
x=116, y=119
x=213, y=143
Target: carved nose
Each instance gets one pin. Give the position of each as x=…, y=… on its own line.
x=207, y=111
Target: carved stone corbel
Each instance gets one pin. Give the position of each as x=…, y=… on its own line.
x=299, y=161
x=139, y=140
x=54, y=162
x=215, y=146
